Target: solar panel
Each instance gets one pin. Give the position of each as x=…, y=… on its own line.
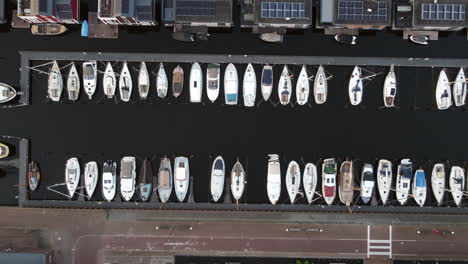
x=363, y=11
x=283, y=9
x=197, y=8
x=443, y=12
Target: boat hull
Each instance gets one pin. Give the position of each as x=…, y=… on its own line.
x=285, y=87
x=196, y=83
x=390, y=89
x=384, y=179
x=165, y=180
x=266, y=85
x=145, y=180
x=459, y=88
x=293, y=180
x=302, y=87
x=91, y=175
x=161, y=82
x=237, y=181
x=310, y=181
x=218, y=170
x=249, y=86
x=127, y=178
x=72, y=175
x=34, y=176
x=443, y=92
x=125, y=84
x=346, y=183
x=419, y=187
x=177, y=81
x=7, y=93
x=143, y=81
x=73, y=84
x=457, y=184
x=355, y=87
x=213, y=81
x=55, y=84
x=274, y=179
x=109, y=81
x=90, y=78
x=109, y=180
x=438, y=182
x=320, y=86
x=181, y=177
x=231, y=85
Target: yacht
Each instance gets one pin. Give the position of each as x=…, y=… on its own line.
x=109, y=82
x=231, y=85
x=90, y=77
x=109, y=180
x=329, y=180
x=419, y=187
x=302, y=87
x=457, y=184
x=438, y=182
x=309, y=180
x=91, y=175
x=55, y=85
x=218, y=170
x=320, y=86
x=125, y=84
x=346, y=183
x=181, y=177
x=196, y=83
x=161, y=82
x=390, y=88
x=367, y=183
x=72, y=175
x=212, y=81
x=403, y=184
x=249, y=86
x=73, y=83
x=127, y=177
x=266, y=85
x=293, y=180
x=145, y=180
x=459, y=88
x=285, y=87
x=274, y=178
x=237, y=181
x=165, y=179
x=34, y=176
x=7, y=93
x=355, y=86
x=384, y=179
x=443, y=93
x=177, y=81
x=143, y=81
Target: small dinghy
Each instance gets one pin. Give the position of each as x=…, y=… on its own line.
x=218, y=171
x=404, y=175
x=285, y=86
x=90, y=77
x=109, y=180
x=73, y=83
x=196, y=83
x=109, y=82
x=329, y=180
x=367, y=183
x=213, y=72
x=346, y=183
x=177, y=81
x=237, y=181
x=443, y=93
x=181, y=177
x=355, y=87
x=309, y=180
x=274, y=178
x=267, y=82
x=320, y=86
x=438, y=182
x=4, y=150
x=457, y=184
x=161, y=82
x=293, y=180
x=390, y=88
x=125, y=84
x=249, y=86
x=127, y=177
x=91, y=174
x=302, y=87
x=7, y=93
x=143, y=81
x=34, y=176
x=459, y=88
x=145, y=180
x=55, y=83
x=231, y=84
x=384, y=179
x=72, y=175
x=48, y=29
x=419, y=187
x=165, y=180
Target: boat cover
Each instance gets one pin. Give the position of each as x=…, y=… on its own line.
x=420, y=179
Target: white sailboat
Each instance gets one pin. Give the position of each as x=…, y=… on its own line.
x=90, y=77
x=109, y=82
x=302, y=87
x=213, y=72
x=91, y=174
x=143, y=81
x=125, y=83
x=249, y=86
x=293, y=180
x=403, y=185
x=109, y=180
x=181, y=177
x=320, y=86
x=72, y=175
x=273, y=179
x=309, y=180
x=237, y=181
x=127, y=177
x=196, y=83
x=443, y=92
x=231, y=85
x=384, y=179
x=367, y=183
x=419, y=187
x=218, y=170
x=355, y=87
x=55, y=84
x=285, y=86
x=266, y=85
x=7, y=93
x=457, y=184
x=459, y=88
x=73, y=83
x=162, y=82
x=390, y=88
x=438, y=182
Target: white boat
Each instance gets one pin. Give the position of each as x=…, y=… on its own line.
x=196, y=83
x=218, y=170
x=438, y=182
x=72, y=175
x=181, y=177
x=143, y=81
x=457, y=184
x=266, y=85
x=320, y=86
x=293, y=180
x=273, y=178
x=329, y=168
x=403, y=185
x=231, y=85
x=109, y=180
x=213, y=72
x=162, y=84
x=7, y=93
x=302, y=87
x=125, y=84
x=127, y=177
x=165, y=180
x=109, y=82
x=384, y=179
x=419, y=187
x=285, y=86
x=459, y=88
x=55, y=84
x=355, y=87
x=237, y=181
x=249, y=86
x=73, y=83
x=90, y=77
x=309, y=180
x=443, y=93
x=367, y=183
x=91, y=175
x=390, y=88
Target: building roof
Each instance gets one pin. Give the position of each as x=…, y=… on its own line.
x=356, y=12
x=141, y=10
x=282, y=11
x=23, y=257
x=449, y=13
x=197, y=11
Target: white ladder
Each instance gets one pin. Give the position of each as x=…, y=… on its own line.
x=379, y=247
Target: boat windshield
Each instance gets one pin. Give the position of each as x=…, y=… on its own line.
x=180, y=174
x=219, y=165
x=126, y=170
x=88, y=72
x=329, y=169
x=368, y=176
x=267, y=77
x=212, y=84
x=406, y=172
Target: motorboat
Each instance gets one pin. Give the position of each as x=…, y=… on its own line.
x=90, y=77
x=48, y=29
x=177, y=81
x=249, y=86
x=161, y=82
x=419, y=187
x=218, y=170
x=285, y=86
x=91, y=175
x=127, y=177
x=4, y=150
x=367, y=183
x=459, y=88
x=165, y=179
x=231, y=85
x=143, y=81
x=443, y=92
x=419, y=39
x=213, y=72
x=73, y=83
x=7, y=93
x=266, y=85
x=390, y=88
x=55, y=85
x=355, y=87
x=125, y=83
x=34, y=176
x=181, y=177
x=309, y=180
x=72, y=175
x=237, y=181
x=293, y=180
x=438, y=182
x=145, y=180
x=196, y=83
x=346, y=39
x=302, y=87
x=346, y=183
x=109, y=82
x=273, y=178
x=403, y=184
x=384, y=179
x=271, y=37
x=320, y=86
x=329, y=180
x=109, y=180
x=457, y=184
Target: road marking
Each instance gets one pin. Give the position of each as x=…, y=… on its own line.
x=379, y=247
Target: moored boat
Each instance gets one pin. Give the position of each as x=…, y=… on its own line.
x=329, y=180
x=320, y=86
x=72, y=176
x=181, y=177
x=273, y=178
x=91, y=174
x=4, y=150
x=384, y=179
x=90, y=77
x=438, y=182
x=213, y=72
x=302, y=87
x=7, y=93
x=196, y=83
x=403, y=184
x=419, y=187
x=266, y=85
x=73, y=83
x=145, y=180
x=355, y=87
x=237, y=181
x=45, y=29
x=231, y=85
x=109, y=82
x=55, y=84
x=285, y=86
x=459, y=88
x=177, y=81
x=125, y=84
x=443, y=92
x=457, y=184
x=346, y=183
x=309, y=180
x=367, y=183
x=127, y=177
x=165, y=179
x=249, y=86
x=109, y=180
x=293, y=180
x=34, y=176
x=218, y=170
x=161, y=82
x=390, y=88
x=143, y=81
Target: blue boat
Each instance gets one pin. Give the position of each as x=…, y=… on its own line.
x=84, y=29
x=419, y=187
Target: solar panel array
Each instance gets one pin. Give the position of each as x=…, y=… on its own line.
x=283, y=9
x=196, y=8
x=443, y=12
x=354, y=10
